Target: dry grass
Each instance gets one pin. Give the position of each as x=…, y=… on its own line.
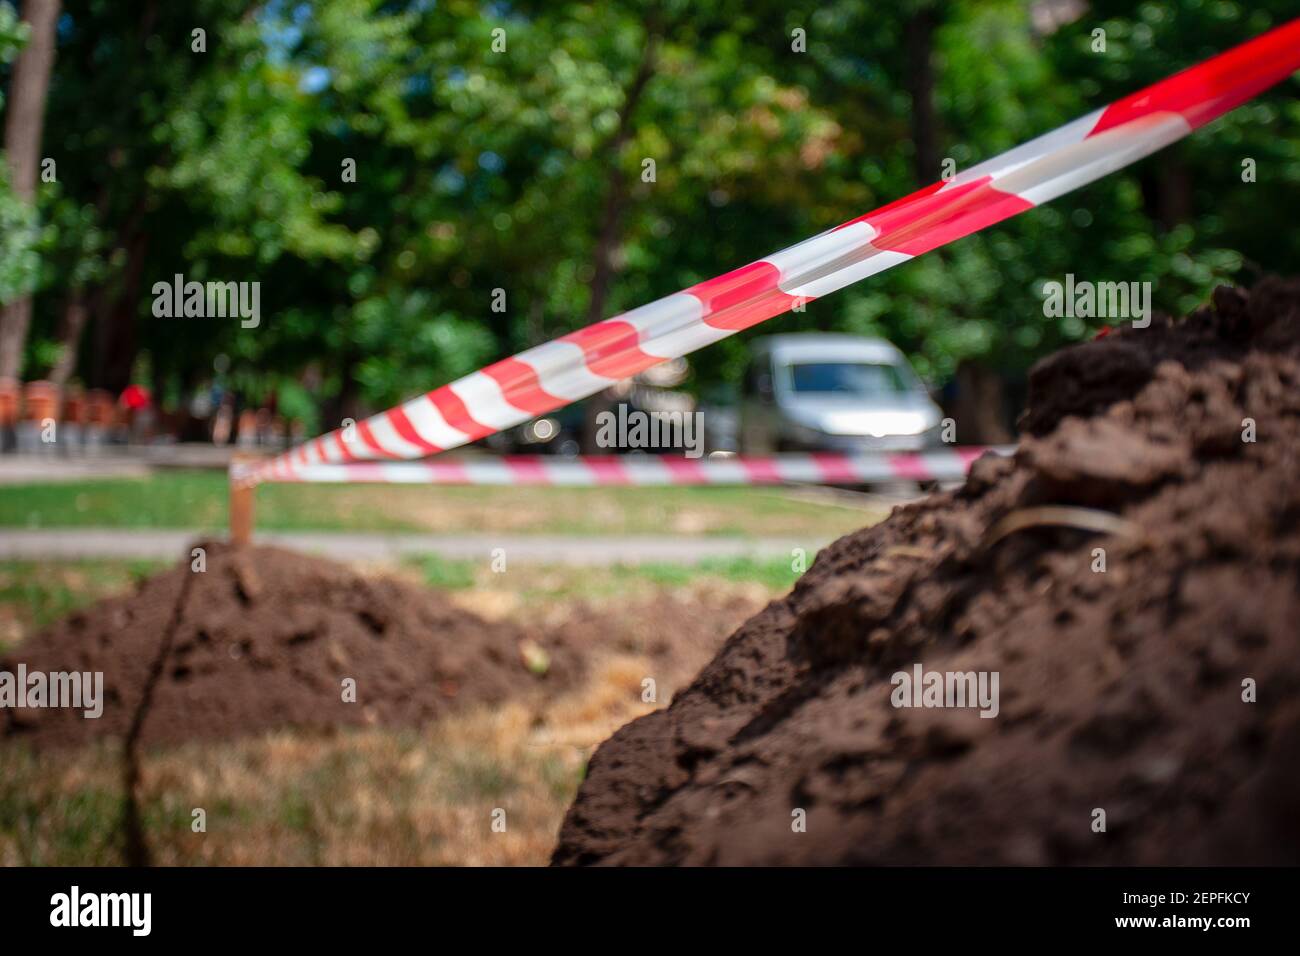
x=371, y=797
x=600, y=510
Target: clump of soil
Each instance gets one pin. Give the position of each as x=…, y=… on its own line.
x=266, y=639
x=1121, y=690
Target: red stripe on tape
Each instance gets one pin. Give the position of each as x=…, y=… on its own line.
x=835, y=468
x=368, y=438
x=342, y=446
x=684, y=470
x=455, y=414
x=402, y=425
x=910, y=466
x=897, y=203
x=607, y=469
x=743, y=297
x=933, y=219
x=521, y=386
x=1219, y=84
x=448, y=472
x=761, y=470
x=527, y=469
x=611, y=349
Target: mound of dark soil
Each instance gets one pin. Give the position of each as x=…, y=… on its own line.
x=266, y=639
x=1119, y=690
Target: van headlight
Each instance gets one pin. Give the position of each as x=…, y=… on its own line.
x=540, y=431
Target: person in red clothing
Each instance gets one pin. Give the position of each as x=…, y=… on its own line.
x=134, y=398
x=138, y=404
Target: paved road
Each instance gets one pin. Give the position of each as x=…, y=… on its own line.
x=542, y=549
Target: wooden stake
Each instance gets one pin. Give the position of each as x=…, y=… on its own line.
x=242, y=516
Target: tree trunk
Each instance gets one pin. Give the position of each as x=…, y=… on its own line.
x=918, y=44
x=74, y=320
x=23, y=127
x=1174, y=204
x=79, y=307
x=345, y=404
x=116, y=343
x=979, y=407
x=611, y=223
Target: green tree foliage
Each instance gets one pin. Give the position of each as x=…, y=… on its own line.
x=525, y=170
x=19, y=233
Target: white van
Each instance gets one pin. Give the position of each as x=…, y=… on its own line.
x=839, y=393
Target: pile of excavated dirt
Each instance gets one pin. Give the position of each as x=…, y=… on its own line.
x=266, y=638
x=1120, y=690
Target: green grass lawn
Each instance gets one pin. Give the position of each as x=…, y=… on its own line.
x=198, y=500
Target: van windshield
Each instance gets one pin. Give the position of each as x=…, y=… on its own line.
x=848, y=378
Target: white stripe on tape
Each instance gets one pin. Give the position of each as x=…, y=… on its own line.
x=672, y=326
x=561, y=369
x=387, y=438
x=485, y=402
x=828, y=262
x=1006, y=163
x=430, y=425
x=1074, y=166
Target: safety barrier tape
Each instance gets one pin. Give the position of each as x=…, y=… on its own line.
x=941, y=464
x=584, y=362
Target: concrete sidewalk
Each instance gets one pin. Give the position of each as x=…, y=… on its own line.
x=170, y=545
x=110, y=461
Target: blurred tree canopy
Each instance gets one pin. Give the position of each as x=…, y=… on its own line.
x=382, y=166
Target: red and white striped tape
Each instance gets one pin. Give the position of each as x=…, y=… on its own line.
x=582, y=363
x=944, y=464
